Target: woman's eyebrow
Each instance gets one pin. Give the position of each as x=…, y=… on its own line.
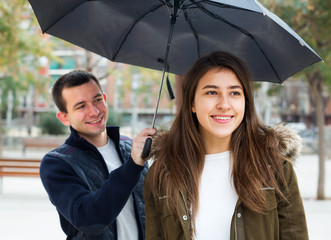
x=211, y=86
x=235, y=86
x=216, y=87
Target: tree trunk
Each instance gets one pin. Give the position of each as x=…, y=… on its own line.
x=315, y=82
x=1, y=126
x=89, y=61
x=30, y=105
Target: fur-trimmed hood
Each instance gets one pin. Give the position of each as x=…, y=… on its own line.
x=290, y=143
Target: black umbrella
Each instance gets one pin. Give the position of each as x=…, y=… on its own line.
x=140, y=32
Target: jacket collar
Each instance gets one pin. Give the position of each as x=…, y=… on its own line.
x=75, y=140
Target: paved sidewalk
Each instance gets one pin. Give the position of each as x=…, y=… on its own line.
x=318, y=213
x=26, y=213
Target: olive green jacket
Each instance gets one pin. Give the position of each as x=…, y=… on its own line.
x=283, y=220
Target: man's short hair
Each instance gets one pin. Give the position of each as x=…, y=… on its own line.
x=72, y=79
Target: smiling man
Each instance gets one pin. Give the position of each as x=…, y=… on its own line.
x=95, y=179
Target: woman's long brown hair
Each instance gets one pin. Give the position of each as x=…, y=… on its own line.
x=257, y=163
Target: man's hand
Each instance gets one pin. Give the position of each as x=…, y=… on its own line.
x=138, y=145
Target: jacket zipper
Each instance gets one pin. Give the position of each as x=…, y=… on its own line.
x=182, y=195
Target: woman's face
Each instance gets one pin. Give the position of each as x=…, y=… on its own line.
x=219, y=104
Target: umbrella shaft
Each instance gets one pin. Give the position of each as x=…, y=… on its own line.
x=172, y=25
x=158, y=99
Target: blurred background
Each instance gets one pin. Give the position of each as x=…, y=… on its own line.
x=30, y=62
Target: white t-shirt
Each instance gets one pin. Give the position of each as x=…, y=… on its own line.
x=217, y=199
x=126, y=223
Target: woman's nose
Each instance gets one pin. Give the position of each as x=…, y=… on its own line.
x=223, y=103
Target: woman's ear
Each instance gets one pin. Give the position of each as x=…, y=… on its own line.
x=63, y=118
x=193, y=108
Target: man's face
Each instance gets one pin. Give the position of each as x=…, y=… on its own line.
x=86, y=110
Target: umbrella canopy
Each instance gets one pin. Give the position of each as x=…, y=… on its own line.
x=140, y=33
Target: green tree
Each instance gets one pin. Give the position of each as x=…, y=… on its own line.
x=21, y=47
x=51, y=125
x=311, y=19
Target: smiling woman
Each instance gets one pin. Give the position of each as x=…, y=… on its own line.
x=219, y=171
x=219, y=105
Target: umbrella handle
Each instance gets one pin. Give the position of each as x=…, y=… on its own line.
x=146, y=149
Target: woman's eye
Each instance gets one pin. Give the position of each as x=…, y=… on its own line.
x=235, y=93
x=211, y=93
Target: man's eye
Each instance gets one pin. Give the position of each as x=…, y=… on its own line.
x=80, y=107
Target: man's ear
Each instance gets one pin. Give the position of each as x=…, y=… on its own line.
x=63, y=118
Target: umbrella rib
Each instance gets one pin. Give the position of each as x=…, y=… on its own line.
x=194, y=32
x=241, y=30
x=167, y=4
x=223, y=20
x=132, y=26
x=217, y=4
x=47, y=28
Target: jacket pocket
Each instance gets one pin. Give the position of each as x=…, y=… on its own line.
x=163, y=208
x=262, y=226
x=271, y=199
x=170, y=224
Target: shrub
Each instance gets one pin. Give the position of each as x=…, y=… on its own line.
x=49, y=124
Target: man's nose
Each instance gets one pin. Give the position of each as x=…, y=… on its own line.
x=93, y=110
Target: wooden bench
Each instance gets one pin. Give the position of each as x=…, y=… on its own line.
x=18, y=167
x=49, y=142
